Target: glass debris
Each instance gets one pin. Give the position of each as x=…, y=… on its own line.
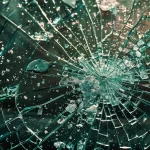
x=71, y=3
x=38, y=66
x=74, y=74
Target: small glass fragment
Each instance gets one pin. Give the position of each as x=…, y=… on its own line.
x=71, y=3
x=38, y=66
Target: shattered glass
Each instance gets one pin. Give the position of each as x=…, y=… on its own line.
x=74, y=74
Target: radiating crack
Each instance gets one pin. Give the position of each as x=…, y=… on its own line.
x=74, y=74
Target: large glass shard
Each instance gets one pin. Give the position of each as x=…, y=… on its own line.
x=74, y=74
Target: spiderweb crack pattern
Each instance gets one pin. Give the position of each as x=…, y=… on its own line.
x=74, y=74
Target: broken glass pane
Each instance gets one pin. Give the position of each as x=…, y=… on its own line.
x=74, y=74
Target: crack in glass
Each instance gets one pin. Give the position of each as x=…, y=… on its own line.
x=74, y=74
